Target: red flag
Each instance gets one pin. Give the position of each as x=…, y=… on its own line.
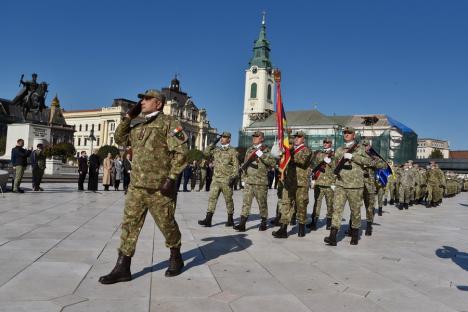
x=281, y=123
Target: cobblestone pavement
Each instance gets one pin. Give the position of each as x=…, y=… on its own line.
x=55, y=244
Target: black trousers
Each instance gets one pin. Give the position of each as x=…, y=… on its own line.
x=81, y=179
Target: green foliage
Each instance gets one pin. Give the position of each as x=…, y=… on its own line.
x=62, y=150
x=106, y=149
x=436, y=154
x=194, y=154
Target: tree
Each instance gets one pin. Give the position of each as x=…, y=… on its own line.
x=63, y=150
x=194, y=154
x=106, y=149
x=436, y=154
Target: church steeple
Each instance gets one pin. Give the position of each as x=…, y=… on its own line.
x=261, y=50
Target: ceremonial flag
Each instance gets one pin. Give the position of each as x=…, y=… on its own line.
x=381, y=175
x=281, y=123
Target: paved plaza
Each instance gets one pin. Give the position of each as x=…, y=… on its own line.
x=55, y=244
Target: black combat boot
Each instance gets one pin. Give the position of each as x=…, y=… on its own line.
x=369, y=228
x=276, y=220
x=120, y=273
x=282, y=232
x=428, y=204
x=207, y=221
x=392, y=201
x=301, y=230
x=385, y=202
x=230, y=220
x=410, y=203
x=401, y=206
x=293, y=219
x=263, y=225
x=331, y=240
x=349, y=230
x=312, y=223
x=329, y=222
x=175, y=263
x=354, y=236
x=406, y=206
x=241, y=226
x=379, y=212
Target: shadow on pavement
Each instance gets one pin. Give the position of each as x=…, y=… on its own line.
x=457, y=257
x=217, y=246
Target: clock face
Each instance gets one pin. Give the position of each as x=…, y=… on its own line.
x=254, y=69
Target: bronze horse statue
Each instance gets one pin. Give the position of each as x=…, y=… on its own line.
x=32, y=100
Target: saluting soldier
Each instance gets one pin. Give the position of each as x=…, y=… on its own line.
x=256, y=180
x=159, y=155
x=349, y=185
x=295, y=187
x=323, y=181
x=226, y=166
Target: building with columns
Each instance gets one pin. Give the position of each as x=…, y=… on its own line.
x=104, y=121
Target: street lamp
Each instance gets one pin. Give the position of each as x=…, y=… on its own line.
x=92, y=138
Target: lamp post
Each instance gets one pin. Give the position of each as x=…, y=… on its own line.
x=92, y=138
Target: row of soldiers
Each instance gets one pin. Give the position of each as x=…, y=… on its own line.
x=345, y=175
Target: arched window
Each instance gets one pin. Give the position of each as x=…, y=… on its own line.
x=253, y=91
x=269, y=93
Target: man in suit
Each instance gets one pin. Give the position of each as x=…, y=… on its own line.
x=82, y=170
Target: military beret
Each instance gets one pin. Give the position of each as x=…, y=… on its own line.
x=299, y=133
x=258, y=134
x=153, y=94
x=226, y=134
x=327, y=140
x=349, y=129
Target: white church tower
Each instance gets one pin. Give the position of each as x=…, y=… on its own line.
x=259, y=82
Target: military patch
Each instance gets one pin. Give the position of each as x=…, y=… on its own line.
x=179, y=134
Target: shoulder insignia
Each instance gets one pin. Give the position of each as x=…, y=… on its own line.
x=179, y=134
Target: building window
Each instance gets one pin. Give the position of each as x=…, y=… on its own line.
x=99, y=127
x=80, y=127
x=253, y=91
x=111, y=141
x=85, y=142
x=86, y=127
x=79, y=141
x=97, y=141
x=269, y=93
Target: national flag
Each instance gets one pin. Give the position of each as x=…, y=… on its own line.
x=281, y=123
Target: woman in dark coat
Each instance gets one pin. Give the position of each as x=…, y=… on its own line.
x=94, y=164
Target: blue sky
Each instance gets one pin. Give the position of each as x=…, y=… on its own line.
x=404, y=58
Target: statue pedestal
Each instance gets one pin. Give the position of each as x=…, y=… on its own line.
x=53, y=166
x=32, y=134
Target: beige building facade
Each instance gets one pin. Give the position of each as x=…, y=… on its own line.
x=104, y=121
x=426, y=146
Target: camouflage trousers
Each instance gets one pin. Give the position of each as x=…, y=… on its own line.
x=413, y=193
x=434, y=193
x=298, y=195
x=354, y=197
x=260, y=193
x=423, y=191
x=381, y=191
x=417, y=192
x=319, y=193
x=392, y=190
x=202, y=180
x=405, y=194
x=215, y=189
x=137, y=204
x=369, y=199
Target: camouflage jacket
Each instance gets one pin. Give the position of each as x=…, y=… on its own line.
x=326, y=178
x=225, y=161
x=435, y=177
x=352, y=174
x=203, y=165
x=257, y=172
x=407, y=178
x=39, y=159
x=159, y=149
x=297, y=172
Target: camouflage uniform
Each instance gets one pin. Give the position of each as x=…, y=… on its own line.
x=391, y=186
x=371, y=186
x=226, y=166
x=203, y=166
x=407, y=184
x=256, y=181
x=322, y=186
x=350, y=185
x=159, y=152
x=296, y=186
x=435, y=184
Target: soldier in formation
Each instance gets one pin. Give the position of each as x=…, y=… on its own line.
x=226, y=167
x=295, y=187
x=257, y=161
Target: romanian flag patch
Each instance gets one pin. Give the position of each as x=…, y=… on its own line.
x=179, y=134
